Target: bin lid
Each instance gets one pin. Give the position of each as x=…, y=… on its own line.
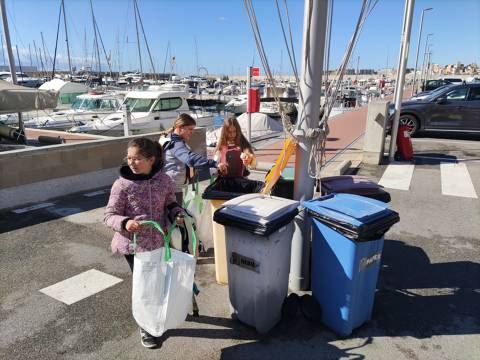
x=348, y=183
x=226, y=188
x=259, y=207
x=257, y=213
x=357, y=217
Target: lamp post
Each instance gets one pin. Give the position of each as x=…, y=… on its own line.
x=414, y=88
x=402, y=64
x=422, y=78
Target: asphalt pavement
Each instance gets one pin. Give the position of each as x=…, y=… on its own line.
x=427, y=305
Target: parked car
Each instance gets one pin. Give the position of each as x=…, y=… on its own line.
x=422, y=95
x=430, y=85
x=455, y=108
x=455, y=81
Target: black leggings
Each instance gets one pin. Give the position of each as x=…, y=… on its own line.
x=129, y=258
x=183, y=230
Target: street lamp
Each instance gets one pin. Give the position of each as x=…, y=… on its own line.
x=422, y=79
x=414, y=89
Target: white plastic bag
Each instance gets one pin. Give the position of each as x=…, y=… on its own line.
x=202, y=221
x=162, y=289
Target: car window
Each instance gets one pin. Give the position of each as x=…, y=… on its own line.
x=457, y=94
x=474, y=94
x=438, y=91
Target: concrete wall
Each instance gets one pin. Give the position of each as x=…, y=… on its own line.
x=38, y=174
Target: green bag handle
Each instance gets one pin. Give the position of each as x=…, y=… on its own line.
x=197, y=199
x=166, y=238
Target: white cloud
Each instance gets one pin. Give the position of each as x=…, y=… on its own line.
x=222, y=18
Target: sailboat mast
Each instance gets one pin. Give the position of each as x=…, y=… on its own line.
x=146, y=42
x=138, y=37
x=45, y=59
x=30, y=55
x=97, y=52
x=66, y=37
x=166, y=57
x=118, y=54
x=56, y=41
x=196, y=54
x=19, y=62
x=3, y=51
x=38, y=55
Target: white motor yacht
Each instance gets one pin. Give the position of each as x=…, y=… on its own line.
x=238, y=105
x=151, y=111
x=85, y=109
x=22, y=79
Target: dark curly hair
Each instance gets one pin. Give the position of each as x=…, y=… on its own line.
x=148, y=148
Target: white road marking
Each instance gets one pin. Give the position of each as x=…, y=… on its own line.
x=456, y=180
x=80, y=286
x=397, y=176
x=33, y=207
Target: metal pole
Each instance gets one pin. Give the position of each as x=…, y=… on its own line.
x=249, y=115
x=402, y=64
x=127, y=120
x=313, y=46
x=414, y=88
x=11, y=59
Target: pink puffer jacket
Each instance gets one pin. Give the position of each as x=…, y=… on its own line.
x=140, y=197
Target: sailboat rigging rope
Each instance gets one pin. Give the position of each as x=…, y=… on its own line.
x=317, y=154
x=289, y=46
x=318, y=135
x=287, y=124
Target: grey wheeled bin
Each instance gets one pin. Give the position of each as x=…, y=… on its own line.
x=258, y=234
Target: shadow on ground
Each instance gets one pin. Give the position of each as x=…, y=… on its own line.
x=63, y=206
x=421, y=299
x=415, y=298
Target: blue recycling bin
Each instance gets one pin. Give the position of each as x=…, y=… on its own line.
x=347, y=248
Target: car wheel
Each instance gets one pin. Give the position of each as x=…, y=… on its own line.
x=411, y=122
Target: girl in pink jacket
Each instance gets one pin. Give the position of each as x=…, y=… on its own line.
x=142, y=192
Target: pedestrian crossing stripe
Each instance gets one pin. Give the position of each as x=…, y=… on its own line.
x=397, y=176
x=80, y=286
x=455, y=178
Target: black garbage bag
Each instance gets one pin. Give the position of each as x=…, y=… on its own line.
x=225, y=188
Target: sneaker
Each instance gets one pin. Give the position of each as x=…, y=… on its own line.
x=149, y=341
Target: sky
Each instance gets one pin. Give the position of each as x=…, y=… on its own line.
x=216, y=34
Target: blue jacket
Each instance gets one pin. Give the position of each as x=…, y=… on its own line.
x=178, y=157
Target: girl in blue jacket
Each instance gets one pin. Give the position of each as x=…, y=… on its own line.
x=179, y=157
